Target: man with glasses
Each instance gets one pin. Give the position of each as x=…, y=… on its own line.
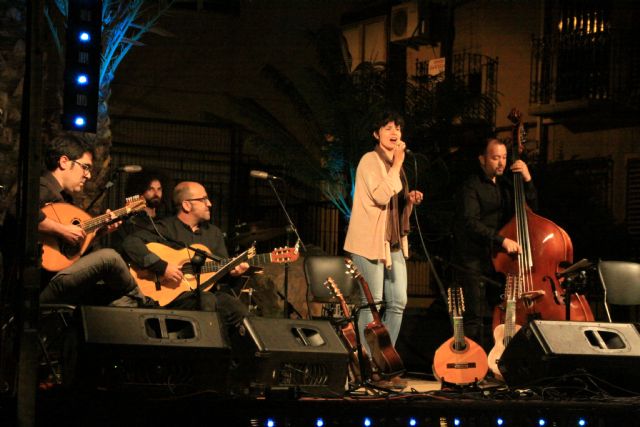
x=99, y=277
x=191, y=225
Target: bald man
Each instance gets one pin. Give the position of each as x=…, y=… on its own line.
x=191, y=225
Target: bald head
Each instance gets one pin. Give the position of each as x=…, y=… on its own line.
x=192, y=202
x=184, y=191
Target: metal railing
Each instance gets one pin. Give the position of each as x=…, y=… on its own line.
x=585, y=66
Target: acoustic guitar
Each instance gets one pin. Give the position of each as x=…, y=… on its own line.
x=164, y=293
x=504, y=332
x=459, y=360
x=384, y=354
x=349, y=338
x=57, y=254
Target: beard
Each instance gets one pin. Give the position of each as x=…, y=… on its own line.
x=154, y=202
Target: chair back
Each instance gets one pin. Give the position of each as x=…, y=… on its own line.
x=318, y=268
x=621, y=283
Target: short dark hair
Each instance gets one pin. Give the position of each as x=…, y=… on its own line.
x=68, y=145
x=385, y=117
x=484, y=144
x=138, y=183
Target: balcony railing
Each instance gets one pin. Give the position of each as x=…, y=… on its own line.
x=479, y=75
x=595, y=67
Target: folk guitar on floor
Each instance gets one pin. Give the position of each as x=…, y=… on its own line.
x=460, y=360
x=58, y=254
x=504, y=332
x=350, y=340
x=384, y=355
x=164, y=293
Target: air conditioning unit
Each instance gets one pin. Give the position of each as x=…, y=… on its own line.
x=404, y=21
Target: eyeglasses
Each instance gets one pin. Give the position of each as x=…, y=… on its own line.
x=204, y=199
x=85, y=167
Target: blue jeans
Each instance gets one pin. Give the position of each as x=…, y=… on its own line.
x=392, y=284
x=94, y=276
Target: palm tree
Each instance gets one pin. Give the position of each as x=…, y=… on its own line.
x=124, y=22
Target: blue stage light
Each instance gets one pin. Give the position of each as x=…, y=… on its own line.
x=367, y=422
x=270, y=423
x=82, y=79
x=79, y=121
x=84, y=37
x=542, y=422
x=499, y=421
x=413, y=422
x=319, y=422
x=582, y=422
x=457, y=422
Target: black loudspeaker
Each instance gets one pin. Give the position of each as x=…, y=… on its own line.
x=545, y=350
x=131, y=348
x=304, y=355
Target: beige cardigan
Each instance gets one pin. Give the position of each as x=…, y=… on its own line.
x=367, y=226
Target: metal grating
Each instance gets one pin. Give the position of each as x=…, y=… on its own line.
x=183, y=150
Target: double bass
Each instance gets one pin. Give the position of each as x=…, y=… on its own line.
x=544, y=248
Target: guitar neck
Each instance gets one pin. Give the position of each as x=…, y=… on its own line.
x=259, y=259
x=344, y=307
x=369, y=297
x=93, y=224
x=458, y=333
x=510, y=320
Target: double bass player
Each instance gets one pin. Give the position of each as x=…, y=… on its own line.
x=484, y=204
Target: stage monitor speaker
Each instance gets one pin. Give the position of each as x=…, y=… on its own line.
x=545, y=350
x=132, y=348
x=303, y=355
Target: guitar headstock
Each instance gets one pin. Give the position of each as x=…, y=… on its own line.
x=284, y=255
x=333, y=287
x=135, y=203
x=351, y=268
x=513, y=287
x=251, y=252
x=455, y=300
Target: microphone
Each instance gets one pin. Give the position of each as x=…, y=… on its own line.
x=406, y=150
x=129, y=168
x=262, y=175
x=578, y=266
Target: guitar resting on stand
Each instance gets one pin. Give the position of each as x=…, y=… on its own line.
x=359, y=363
x=459, y=361
x=384, y=355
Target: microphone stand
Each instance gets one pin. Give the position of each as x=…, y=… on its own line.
x=107, y=186
x=197, y=261
x=299, y=242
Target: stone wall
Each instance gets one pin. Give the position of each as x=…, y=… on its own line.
x=12, y=64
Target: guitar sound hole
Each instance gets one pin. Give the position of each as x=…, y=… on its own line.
x=69, y=250
x=459, y=347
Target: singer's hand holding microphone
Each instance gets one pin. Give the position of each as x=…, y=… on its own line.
x=399, y=152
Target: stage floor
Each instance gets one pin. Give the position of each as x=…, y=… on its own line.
x=423, y=403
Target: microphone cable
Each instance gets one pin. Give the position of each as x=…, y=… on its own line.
x=443, y=292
